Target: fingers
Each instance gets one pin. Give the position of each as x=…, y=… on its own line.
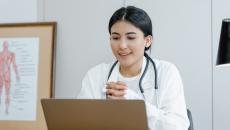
x=118, y=85
x=115, y=90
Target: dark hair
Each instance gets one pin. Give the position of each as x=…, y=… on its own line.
x=135, y=16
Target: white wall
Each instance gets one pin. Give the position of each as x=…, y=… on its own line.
x=82, y=39
x=221, y=75
x=185, y=33
x=12, y=11
x=182, y=35
x=182, y=31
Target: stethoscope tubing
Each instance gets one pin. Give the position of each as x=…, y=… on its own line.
x=143, y=74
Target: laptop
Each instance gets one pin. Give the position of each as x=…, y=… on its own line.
x=93, y=114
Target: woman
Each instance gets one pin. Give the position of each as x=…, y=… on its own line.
x=135, y=75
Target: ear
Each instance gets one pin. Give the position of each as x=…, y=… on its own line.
x=148, y=40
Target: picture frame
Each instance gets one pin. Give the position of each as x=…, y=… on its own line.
x=29, y=49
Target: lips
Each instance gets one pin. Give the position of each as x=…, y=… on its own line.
x=124, y=53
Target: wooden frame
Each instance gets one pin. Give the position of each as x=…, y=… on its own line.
x=45, y=32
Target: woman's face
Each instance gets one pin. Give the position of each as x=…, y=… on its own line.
x=128, y=43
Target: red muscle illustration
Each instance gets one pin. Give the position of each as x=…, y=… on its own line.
x=6, y=59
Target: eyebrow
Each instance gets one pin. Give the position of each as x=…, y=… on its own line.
x=126, y=33
x=115, y=33
x=131, y=33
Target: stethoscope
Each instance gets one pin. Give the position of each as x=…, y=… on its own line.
x=143, y=74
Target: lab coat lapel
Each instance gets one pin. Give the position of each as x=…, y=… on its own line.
x=115, y=74
x=148, y=83
x=113, y=78
x=148, y=79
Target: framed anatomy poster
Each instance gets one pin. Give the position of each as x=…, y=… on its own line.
x=27, y=55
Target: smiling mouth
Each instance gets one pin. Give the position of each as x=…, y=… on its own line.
x=124, y=54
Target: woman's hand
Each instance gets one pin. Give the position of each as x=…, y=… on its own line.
x=115, y=90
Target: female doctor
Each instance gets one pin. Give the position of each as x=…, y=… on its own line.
x=135, y=75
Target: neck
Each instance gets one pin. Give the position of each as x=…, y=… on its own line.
x=132, y=70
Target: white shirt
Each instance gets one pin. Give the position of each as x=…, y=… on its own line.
x=166, y=108
x=131, y=82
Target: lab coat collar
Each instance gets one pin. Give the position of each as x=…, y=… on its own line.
x=115, y=73
x=114, y=77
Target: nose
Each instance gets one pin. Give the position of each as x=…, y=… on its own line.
x=123, y=44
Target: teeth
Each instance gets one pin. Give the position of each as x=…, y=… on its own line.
x=124, y=54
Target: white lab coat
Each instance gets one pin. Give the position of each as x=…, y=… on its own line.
x=166, y=108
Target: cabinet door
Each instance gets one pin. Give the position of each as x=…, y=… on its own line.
x=82, y=39
x=221, y=75
x=182, y=35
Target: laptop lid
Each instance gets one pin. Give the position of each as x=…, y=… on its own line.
x=86, y=114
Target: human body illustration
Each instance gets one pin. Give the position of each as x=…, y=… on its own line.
x=7, y=58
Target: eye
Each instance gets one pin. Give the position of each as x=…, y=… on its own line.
x=131, y=38
x=115, y=38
